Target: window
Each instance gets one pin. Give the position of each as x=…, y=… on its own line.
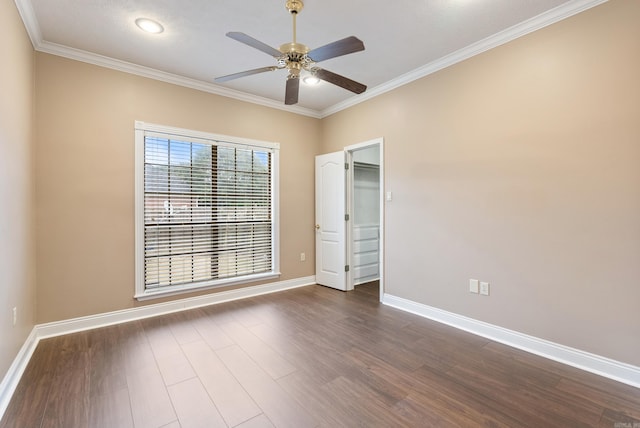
x=206, y=210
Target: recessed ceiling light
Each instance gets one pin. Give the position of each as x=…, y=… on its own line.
x=149, y=25
x=311, y=80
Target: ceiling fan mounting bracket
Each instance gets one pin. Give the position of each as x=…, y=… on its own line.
x=294, y=6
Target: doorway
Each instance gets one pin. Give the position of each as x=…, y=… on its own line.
x=350, y=216
x=365, y=205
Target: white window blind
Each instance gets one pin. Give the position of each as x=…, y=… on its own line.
x=208, y=212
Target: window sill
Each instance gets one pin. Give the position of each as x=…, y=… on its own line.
x=190, y=288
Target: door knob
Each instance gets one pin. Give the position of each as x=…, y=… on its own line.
x=317, y=227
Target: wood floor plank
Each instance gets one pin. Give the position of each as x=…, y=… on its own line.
x=276, y=404
x=135, y=348
x=437, y=393
x=268, y=359
x=406, y=391
x=246, y=312
x=175, y=368
x=629, y=405
x=617, y=419
x=159, y=336
x=371, y=411
x=210, y=331
x=182, y=326
x=114, y=351
x=420, y=413
x=231, y=399
x=111, y=409
x=68, y=403
x=501, y=385
x=258, y=422
x=504, y=366
x=380, y=377
x=172, y=362
x=315, y=364
x=193, y=406
x=264, y=309
x=328, y=409
x=107, y=372
x=150, y=402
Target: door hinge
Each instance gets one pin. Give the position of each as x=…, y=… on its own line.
x=346, y=268
x=346, y=166
x=346, y=217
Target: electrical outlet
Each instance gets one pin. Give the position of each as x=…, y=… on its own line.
x=473, y=286
x=303, y=257
x=484, y=288
x=15, y=315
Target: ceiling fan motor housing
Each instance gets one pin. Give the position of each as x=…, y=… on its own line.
x=294, y=48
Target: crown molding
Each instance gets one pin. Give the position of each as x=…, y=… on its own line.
x=536, y=23
x=550, y=17
x=25, y=9
x=151, y=73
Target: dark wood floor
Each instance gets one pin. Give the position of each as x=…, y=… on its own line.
x=308, y=357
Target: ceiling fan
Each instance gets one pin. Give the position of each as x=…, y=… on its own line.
x=295, y=57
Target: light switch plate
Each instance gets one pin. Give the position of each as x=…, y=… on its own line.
x=473, y=286
x=484, y=288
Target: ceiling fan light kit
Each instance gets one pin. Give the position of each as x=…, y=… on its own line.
x=311, y=80
x=296, y=57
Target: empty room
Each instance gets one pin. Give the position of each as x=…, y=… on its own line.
x=290, y=213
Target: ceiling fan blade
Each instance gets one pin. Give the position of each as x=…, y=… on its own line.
x=244, y=73
x=339, y=80
x=341, y=47
x=293, y=88
x=256, y=44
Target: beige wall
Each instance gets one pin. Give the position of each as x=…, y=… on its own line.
x=17, y=254
x=85, y=170
x=520, y=167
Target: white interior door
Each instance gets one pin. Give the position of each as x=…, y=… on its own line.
x=330, y=221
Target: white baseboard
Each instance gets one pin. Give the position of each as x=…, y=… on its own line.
x=58, y=328
x=602, y=366
x=11, y=379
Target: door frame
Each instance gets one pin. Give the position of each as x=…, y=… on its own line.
x=350, y=202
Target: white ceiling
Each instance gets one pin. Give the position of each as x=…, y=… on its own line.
x=404, y=39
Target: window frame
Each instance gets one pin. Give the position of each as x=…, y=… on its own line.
x=143, y=129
